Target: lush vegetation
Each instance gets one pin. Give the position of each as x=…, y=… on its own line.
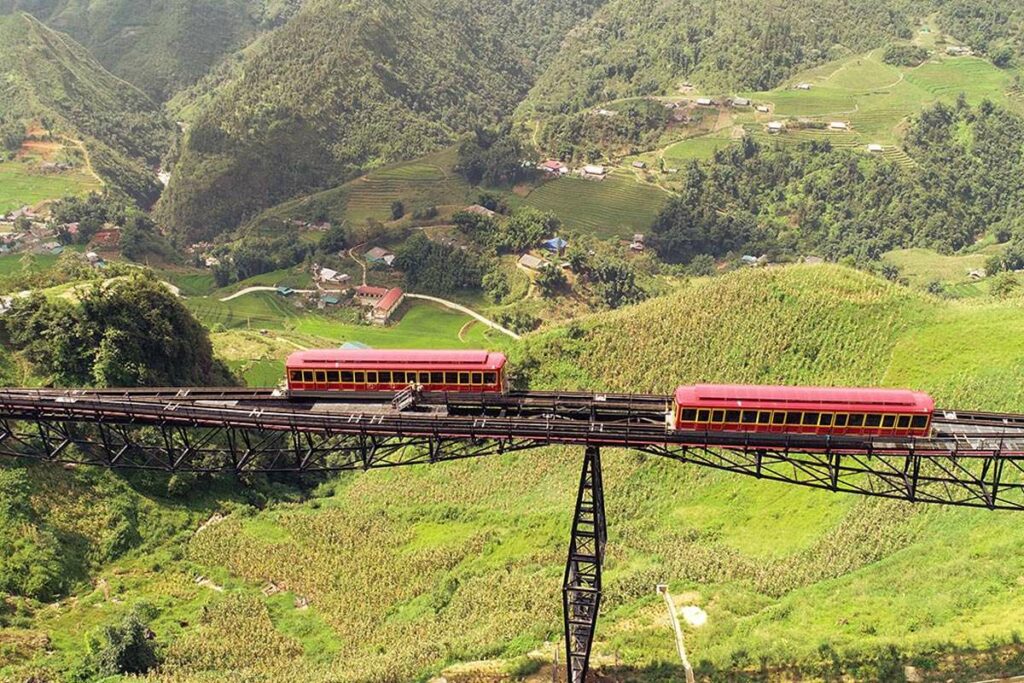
x=814, y=198
x=276, y=131
x=643, y=47
x=904, y=54
x=160, y=47
x=52, y=80
x=121, y=332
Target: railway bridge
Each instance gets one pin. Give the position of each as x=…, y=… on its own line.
x=971, y=459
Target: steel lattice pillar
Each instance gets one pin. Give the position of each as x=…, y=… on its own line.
x=581, y=592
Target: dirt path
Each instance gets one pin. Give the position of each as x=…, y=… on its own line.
x=468, y=311
x=249, y=290
x=85, y=155
x=362, y=264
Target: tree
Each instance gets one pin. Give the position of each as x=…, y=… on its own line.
x=616, y=284
x=551, y=280
x=525, y=229
x=124, y=648
x=334, y=240
x=496, y=285
x=397, y=210
x=22, y=224
x=702, y=265
x=479, y=228
x=436, y=268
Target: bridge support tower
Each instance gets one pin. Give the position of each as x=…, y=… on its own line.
x=581, y=589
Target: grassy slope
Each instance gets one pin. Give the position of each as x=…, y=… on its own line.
x=463, y=561
x=21, y=184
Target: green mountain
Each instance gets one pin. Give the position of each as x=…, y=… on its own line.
x=409, y=571
x=50, y=79
x=343, y=86
x=642, y=47
x=159, y=46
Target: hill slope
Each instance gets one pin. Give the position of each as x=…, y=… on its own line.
x=49, y=78
x=641, y=47
x=159, y=46
x=466, y=562
x=348, y=85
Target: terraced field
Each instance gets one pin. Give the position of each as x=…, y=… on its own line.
x=703, y=147
x=21, y=185
x=616, y=207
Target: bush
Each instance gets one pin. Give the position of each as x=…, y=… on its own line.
x=124, y=648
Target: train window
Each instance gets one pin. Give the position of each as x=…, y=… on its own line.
x=384, y=377
x=903, y=422
x=321, y=376
x=778, y=417
x=451, y=378
x=703, y=415
x=424, y=378
x=437, y=378
x=359, y=378
x=478, y=378
x=826, y=420
x=749, y=417
x=689, y=415
x=919, y=421
x=840, y=420
x=371, y=378
x=463, y=378
x=296, y=375
x=793, y=418
x=346, y=376
x=332, y=376
x=490, y=378
x=888, y=421
x=856, y=421
x=764, y=417
x=811, y=419
x=717, y=415
x=307, y=375
x=732, y=416
x=872, y=420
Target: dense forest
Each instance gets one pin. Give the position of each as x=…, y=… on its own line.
x=54, y=81
x=159, y=46
x=812, y=198
x=349, y=85
x=643, y=47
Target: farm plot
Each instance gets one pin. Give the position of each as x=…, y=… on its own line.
x=615, y=207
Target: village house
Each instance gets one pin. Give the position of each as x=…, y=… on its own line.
x=368, y=295
x=481, y=210
x=839, y=125
x=740, y=102
x=607, y=112
x=380, y=255
x=776, y=127
x=330, y=276
x=531, y=262
x=556, y=245
x=639, y=164
x=672, y=170
x=107, y=239
x=959, y=51
x=386, y=307
x=763, y=108
x=875, y=148
x=593, y=172
x=638, y=242
x=705, y=102
x=803, y=86
x=553, y=167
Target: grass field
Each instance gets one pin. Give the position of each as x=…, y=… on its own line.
x=21, y=185
x=430, y=181
x=616, y=207
x=700, y=148
x=923, y=266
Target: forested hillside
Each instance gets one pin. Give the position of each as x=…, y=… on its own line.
x=641, y=47
x=348, y=85
x=50, y=80
x=159, y=46
x=968, y=180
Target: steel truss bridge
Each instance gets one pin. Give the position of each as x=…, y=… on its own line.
x=972, y=459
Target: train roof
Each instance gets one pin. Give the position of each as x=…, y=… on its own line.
x=397, y=359
x=804, y=398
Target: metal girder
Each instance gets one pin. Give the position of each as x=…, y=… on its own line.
x=992, y=482
x=581, y=590
x=172, y=448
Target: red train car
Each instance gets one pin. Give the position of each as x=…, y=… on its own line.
x=372, y=370
x=803, y=410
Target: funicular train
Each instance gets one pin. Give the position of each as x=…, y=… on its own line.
x=712, y=407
